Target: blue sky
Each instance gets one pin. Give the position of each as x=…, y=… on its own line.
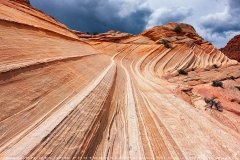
x=215, y=20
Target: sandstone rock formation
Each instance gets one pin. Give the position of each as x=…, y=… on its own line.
x=68, y=95
x=110, y=36
x=232, y=49
x=25, y=2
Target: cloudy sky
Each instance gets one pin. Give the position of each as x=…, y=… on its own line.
x=216, y=20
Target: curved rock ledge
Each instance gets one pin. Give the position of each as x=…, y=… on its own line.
x=72, y=95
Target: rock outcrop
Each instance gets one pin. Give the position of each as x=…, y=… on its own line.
x=110, y=36
x=186, y=50
x=171, y=30
x=25, y=2
x=232, y=49
x=70, y=95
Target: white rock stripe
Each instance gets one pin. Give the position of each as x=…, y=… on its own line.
x=134, y=139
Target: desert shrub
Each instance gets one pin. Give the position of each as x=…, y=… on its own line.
x=217, y=83
x=166, y=43
x=178, y=29
x=215, y=66
x=182, y=72
x=95, y=33
x=213, y=102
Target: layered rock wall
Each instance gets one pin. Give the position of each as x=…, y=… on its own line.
x=232, y=49
x=70, y=95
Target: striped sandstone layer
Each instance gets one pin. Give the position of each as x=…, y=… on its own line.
x=68, y=95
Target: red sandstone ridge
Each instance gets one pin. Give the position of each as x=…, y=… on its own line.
x=168, y=30
x=110, y=36
x=25, y=2
x=232, y=49
x=175, y=33
x=70, y=95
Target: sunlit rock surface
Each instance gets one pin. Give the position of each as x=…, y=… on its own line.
x=71, y=95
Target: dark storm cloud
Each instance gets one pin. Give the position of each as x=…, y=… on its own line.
x=223, y=22
x=98, y=15
x=165, y=15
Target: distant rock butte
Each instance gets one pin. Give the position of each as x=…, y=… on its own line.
x=71, y=95
x=232, y=49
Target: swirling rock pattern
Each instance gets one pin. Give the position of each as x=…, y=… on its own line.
x=72, y=95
